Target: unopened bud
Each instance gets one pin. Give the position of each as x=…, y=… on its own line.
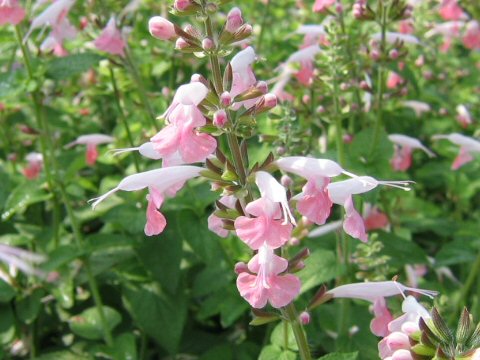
x=304, y=318
x=211, y=8
x=199, y=78
x=306, y=99
x=294, y=241
x=262, y=86
x=427, y=75
x=181, y=44
x=354, y=107
x=420, y=61
x=241, y=267
x=344, y=86
x=220, y=118
x=375, y=55
x=166, y=91
x=404, y=91
x=270, y=100
x=161, y=28
x=234, y=20
x=207, y=44
x=280, y=150
x=364, y=85
x=320, y=109
x=339, y=8
x=226, y=99
x=286, y=181
x=182, y=5
x=393, y=54
x=347, y=138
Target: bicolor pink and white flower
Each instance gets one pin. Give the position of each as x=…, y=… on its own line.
x=243, y=77
x=159, y=182
x=55, y=16
x=468, y=146
x=396, y=37
x=34, y=167
x=464, y=117
x=313, y=202
x=404, y=146
x=379, y=324
x=111, y=39
x=161, y=28
x=418, y=107
x=341, y=193
x=91, y=141
x=11, y=12
x=265, y=281
x=180, y=139
x=471, y=39
x=313, y=34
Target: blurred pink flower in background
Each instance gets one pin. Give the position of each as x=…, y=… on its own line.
x=468, y=146
x=450, y=10
x=111, y=39
x=321, y=6
x=471, y=39
x=464, y=117
x=404, y=146
x=11, y=12
x=91, y=141
x=34, y=167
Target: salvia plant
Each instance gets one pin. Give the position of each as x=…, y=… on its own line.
x=280, y=188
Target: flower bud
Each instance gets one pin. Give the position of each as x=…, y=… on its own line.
x=161, y=28
x=306, y=99
x=364, y=86
x=241, y=267
x=286, y=181
x=270, y=100
x=280, y=150
x=420, y=61
x=234, y=20
x=320, y=109
x=339, y=8
x=220, y=118
x=344, y=86
x=304, y=318
x=211, y=8
x=207, y=44
x=262, y=86
x=199, y=78
x=226, y=99
x=375, y=55
x=294, y=241
x=393, y=54
x=181, y=44
x=182, y=5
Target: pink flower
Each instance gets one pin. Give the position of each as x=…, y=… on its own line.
x=54, y=15
x=404, y=146
x=393, y=342
x=91, y=141
x=341, y=193
x=313, y=202
x=180, y=138
x=313, y=35
x=450, y=10
x=234, y=20
x=321, y=6
x=111, y=39
x=34, y=167
x=406, y=27
x=243, y=76
x=471, y=39
x=467, y=145
x=376, y=220
x=61, y=31
x=267, y=285
x=265, y=227
x=159, y=182
x=161, y=28
x=379, y=324
x=11, y=12
x=394, y=80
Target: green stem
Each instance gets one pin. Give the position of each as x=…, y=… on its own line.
x=290, y=312
x=141, y=88
x=51, y=170
x=467, y=287
x=338, y=120
x=265, y=17
x=380, y=80
x=123, y=118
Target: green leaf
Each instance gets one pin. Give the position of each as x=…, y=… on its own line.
x=340, y=356
x=278, y=336
x=161, y=256
x=69, y=66
x=320, y=267
x=89, y=326
x=28, y=308
x=125, y=347
x=64, y=355
x=401, y=251
x=223, y=352
x=6, y=292
x=22, y=197
x=160, y=315
x=7, y=324
x=11, y=84
x=273, y=352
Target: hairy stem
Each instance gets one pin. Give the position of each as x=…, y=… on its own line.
x=290, y=312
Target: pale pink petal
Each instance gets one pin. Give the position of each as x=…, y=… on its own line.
x=376, y=220
x=156, y=222
x=379, y=324
x=92, y=154
x=315, y=203
x=11, y=12
x=165, y=142
x=255, y=295
x=283, y=290
x=196, y=147
x=111, y=40
x=402, y=158
x=463, y=158
x=402, y=355
x=450, y=10
x=353, y=223
x=321, y=6
x=215, y=225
